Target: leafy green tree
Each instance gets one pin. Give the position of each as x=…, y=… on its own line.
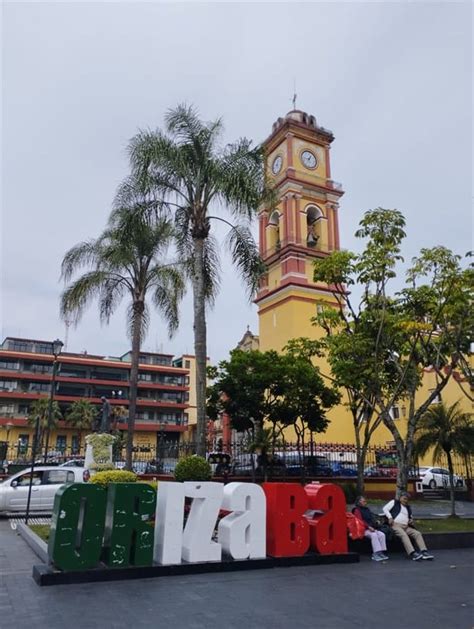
x=126, y=259
x=379, y=351
x=39, y=410
x=267, y=388
x=448, y=431
x=193, y=177
x=81, y=416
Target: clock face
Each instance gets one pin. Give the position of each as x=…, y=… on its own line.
x=277, y=164
x=308, y=159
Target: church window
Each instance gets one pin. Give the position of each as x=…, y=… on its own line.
x=313, y=225
x=274, y=231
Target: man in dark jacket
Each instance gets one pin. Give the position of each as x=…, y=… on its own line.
x=399, y=515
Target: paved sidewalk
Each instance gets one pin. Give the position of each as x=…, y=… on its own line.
x=368, y=595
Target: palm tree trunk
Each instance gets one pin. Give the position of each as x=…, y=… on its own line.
x=132, y=407
x=451, y=484
x=200, y=344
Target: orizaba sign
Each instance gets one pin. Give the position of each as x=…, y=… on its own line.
x=130, y=524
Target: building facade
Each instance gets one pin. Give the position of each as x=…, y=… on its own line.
x=26, y=374
x=302, y=227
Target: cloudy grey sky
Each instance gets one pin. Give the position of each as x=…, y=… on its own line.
x=391, y=80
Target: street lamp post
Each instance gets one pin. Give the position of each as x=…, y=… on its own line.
x=57, y=346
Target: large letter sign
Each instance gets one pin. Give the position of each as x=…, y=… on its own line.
x=169, y=524
x=242, y=532
x=197, y=543
x=75, y=539
x=287, y=528
x=328, y=531
x=128, y=535
x=92, y=525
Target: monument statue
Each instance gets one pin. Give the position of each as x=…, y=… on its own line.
x=105, y=421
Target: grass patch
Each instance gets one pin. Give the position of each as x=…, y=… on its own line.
x=42, y=530
x=447, y=525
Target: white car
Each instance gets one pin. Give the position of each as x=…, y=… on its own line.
x=46, y=482
x=438, y=478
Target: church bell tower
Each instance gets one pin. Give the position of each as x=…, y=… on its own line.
x=302, y=227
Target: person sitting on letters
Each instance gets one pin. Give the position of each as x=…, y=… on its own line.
x=399, y=515
x=377, y=538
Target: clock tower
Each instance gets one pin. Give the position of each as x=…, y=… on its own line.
x=301, y=227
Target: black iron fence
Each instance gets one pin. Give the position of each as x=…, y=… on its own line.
x=239, y=459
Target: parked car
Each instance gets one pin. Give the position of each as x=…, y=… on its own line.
x=343, y=468
x=79, y=462
x=242, y=465
x=297, y=464
x=46, y=482
x=141, y=467
x=379, y=470
x=438, y=477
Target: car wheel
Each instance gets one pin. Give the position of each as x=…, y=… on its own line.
x=432, y=484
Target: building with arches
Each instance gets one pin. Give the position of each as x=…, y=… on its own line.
x=302, y=227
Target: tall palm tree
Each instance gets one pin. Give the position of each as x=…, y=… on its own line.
x=192, y=175
x=81, y=416
x=126, y=262
x=39, y=410
x=448, y=431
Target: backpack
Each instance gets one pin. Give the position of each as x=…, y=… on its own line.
x=355, y=527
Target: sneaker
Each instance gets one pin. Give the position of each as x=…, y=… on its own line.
x=425, y=555
x=416, y=556
x=376, y=557
x=384, y=556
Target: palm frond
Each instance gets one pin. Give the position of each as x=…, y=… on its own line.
x=211, y=269
x=169, y=287
x=111, y=295
x=80, y=293
x=239, y=178
x=246, y=257
x=83, y=254
x=159, y=164
x=136, y=195
x=184, y=124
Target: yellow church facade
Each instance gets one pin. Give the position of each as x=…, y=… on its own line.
x=302, y=227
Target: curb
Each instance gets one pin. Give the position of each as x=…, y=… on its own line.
x=37, y=545
x=46, y=575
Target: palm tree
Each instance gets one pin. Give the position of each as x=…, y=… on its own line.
x=81, y=416
x=39, y=410
x=448, y=431
x=190, y=174
x=126, y=262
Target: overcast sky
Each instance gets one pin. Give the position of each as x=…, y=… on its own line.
x=391, y=80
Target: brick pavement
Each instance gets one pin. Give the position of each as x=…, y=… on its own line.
x=367, y=595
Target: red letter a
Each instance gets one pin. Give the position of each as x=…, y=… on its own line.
x=328, y=531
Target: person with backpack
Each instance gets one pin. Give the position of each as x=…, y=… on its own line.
x=399, y=515
x=377, y=538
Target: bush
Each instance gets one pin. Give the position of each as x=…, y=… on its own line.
x=152, y=483
x=192, y=468
x=350, y=492
x=116, y=476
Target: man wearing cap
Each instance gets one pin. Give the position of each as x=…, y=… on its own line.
x=399, y=515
